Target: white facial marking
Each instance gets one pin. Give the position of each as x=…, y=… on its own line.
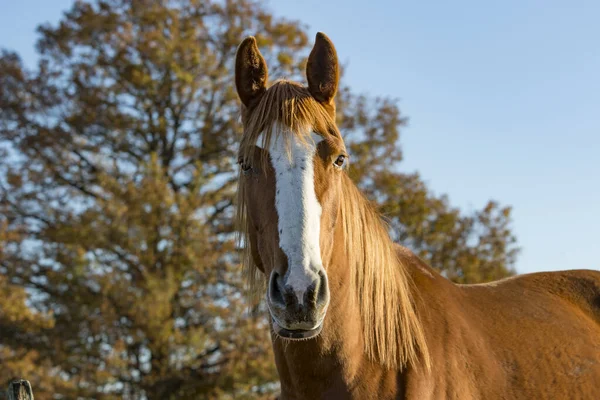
x=298, y=210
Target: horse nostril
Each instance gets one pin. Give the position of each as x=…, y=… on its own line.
x=280, y=294
x=312, y=292
x=323, y=295
x=275, y=294
x=318, y=292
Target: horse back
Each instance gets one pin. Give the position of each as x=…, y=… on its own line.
x=541, y=332
x=529, y=336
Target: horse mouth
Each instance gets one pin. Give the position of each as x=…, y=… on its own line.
x=296, y=334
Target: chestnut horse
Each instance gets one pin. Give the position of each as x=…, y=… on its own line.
x=355, y=316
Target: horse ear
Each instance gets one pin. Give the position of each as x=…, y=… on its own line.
x=251, y=72
x=322, y=71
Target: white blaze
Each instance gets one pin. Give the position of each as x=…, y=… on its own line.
x=298, y=210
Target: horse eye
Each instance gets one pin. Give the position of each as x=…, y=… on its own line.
x=246, y=169
x=340, y=161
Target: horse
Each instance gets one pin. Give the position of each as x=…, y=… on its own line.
x=354, y=315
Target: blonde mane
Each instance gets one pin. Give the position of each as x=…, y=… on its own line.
x=392, y=331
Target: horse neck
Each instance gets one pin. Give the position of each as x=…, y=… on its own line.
x=336, y=361
x=331, y=365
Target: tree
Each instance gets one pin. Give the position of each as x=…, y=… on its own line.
x=117, y=177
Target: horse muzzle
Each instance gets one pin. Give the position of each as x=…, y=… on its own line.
x=297, y=310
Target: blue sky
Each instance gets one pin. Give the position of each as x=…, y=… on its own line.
x=503, y=100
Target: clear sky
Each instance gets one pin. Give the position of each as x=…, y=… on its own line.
x=503, y=100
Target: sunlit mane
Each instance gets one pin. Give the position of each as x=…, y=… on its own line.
x=392, y=332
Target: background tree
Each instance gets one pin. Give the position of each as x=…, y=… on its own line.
x=118, y=268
